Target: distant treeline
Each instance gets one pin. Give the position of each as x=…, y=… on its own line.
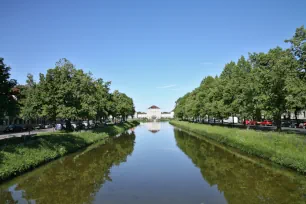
x=63, y=93
x=266, y=84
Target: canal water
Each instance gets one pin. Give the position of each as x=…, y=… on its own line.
x=156, y=163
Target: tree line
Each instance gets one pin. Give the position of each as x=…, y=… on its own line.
x=263, y=85
x=64, y=93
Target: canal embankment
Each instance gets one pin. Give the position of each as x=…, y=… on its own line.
x=282, y=148
x=18, y=155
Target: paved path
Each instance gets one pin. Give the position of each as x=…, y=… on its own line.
x=20, y=134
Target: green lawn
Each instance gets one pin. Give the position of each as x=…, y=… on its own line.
x=282, y=148
x=17, y=156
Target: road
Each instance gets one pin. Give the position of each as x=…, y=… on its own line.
x=20, y=134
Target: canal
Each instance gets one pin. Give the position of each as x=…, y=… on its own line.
x=156, y=163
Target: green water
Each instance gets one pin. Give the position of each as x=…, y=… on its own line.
x=156, y=163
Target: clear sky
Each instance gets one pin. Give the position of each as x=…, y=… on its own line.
x=153, y=50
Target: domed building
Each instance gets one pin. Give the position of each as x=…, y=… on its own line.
x=154, y=113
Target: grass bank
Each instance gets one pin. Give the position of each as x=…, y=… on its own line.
x=285, y=149
x=18, y=156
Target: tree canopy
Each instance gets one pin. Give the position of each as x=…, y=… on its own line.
x=65, y=93
x=265, y=85
x=8, y=99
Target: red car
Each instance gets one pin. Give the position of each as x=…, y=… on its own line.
x=266, y=123
x=250, y=122
x=302, y=125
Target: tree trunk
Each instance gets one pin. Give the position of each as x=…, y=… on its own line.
x=279, y=122
x=296, y=118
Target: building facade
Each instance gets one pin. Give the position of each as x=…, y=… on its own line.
x=154, y=113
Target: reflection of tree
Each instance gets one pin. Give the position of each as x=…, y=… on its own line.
x=77, y=179
x=240, y=181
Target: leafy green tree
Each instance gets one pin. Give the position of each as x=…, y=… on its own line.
x=68, y=93
x=7, y=97
x=122, y=106
x=103, y=98
x=296, y=84
x=272, y=69
x=31, y=102
x=231, y=85
x=179, y=110
x=298, y=49
x=264, y=85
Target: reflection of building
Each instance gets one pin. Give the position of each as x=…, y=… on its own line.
x=153, y=113
x=153, y=127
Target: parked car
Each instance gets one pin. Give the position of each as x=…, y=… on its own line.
x=294, y=125
x=28, y=127
x=39, y=126
x=211, y=121
x=13, y=128
x=266, y=123
x=85, y=125
x=286, y=123
x=231, y=120
x=302, y=125
x=250, y=122
x=58, y=126
x=48, y=126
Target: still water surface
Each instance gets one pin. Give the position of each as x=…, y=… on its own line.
x=155, y=163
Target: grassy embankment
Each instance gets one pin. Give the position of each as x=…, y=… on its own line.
x=18, y=156
x=285, y=149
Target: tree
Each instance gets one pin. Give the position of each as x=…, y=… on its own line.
x=7, y=97
x=67, y=93
x=297, y=81
x=230, y=83
x=103, y=98
x=122, y=106
x=31, y=102
x=272, y=69
x=298, y=49
x=179, y=110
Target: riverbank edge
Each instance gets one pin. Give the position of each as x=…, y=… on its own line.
x=225, y=137
x=258, y=161
x=100, y=135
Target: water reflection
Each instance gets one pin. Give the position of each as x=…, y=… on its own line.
x=241, y=181
x=153, y=127
x=168, y=167
x=73, y=179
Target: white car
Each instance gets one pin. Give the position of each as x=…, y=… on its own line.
x=74, y=126
x=85, y=123
x=48, y=126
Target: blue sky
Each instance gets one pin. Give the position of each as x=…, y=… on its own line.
x=154, y=51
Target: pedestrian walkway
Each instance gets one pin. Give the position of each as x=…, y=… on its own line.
x=21, y=134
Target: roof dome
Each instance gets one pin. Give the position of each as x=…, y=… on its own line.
x=154, y=107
